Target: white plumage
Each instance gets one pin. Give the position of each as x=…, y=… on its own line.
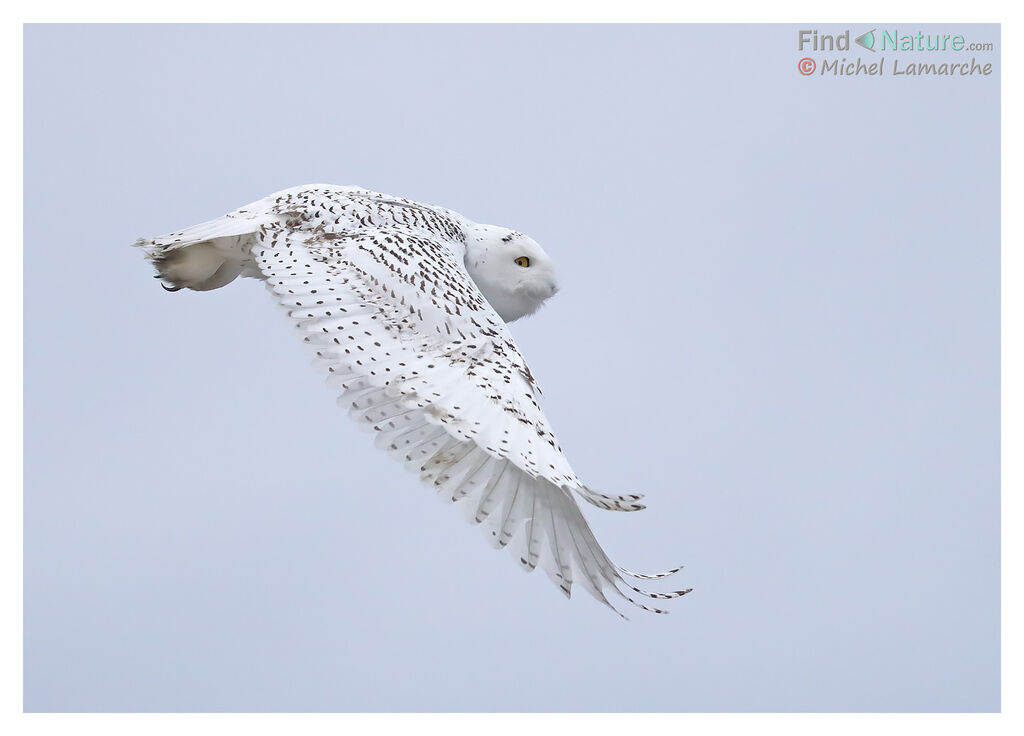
x=405, y=306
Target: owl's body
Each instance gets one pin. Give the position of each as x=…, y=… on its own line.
x=405, y=306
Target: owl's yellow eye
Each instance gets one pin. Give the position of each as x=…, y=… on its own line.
x=523, y=261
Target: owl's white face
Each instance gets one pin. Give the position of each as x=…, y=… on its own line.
x=514, y=274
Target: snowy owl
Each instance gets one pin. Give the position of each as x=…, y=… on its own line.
x=405, y=306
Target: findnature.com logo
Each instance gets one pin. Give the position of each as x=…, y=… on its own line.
x=896, y=42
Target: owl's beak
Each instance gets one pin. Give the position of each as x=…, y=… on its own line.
x=539, y=289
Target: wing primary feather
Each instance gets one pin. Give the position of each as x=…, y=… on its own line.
x=485, y=505
x=445, y=454
x=515, y=502
x=397, y=439
x=416, y=456
x=591, y=580
x=609, y=502
x=535, y=535
x=460, y=484
x=438, y=468
x=405, y=441
x=564, y=574
x=654, y=576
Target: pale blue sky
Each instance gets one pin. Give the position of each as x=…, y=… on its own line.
x=779, y=319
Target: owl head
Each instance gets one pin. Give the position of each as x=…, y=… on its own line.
x=514, y=274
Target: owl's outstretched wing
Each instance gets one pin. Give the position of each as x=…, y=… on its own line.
x=421, y=358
